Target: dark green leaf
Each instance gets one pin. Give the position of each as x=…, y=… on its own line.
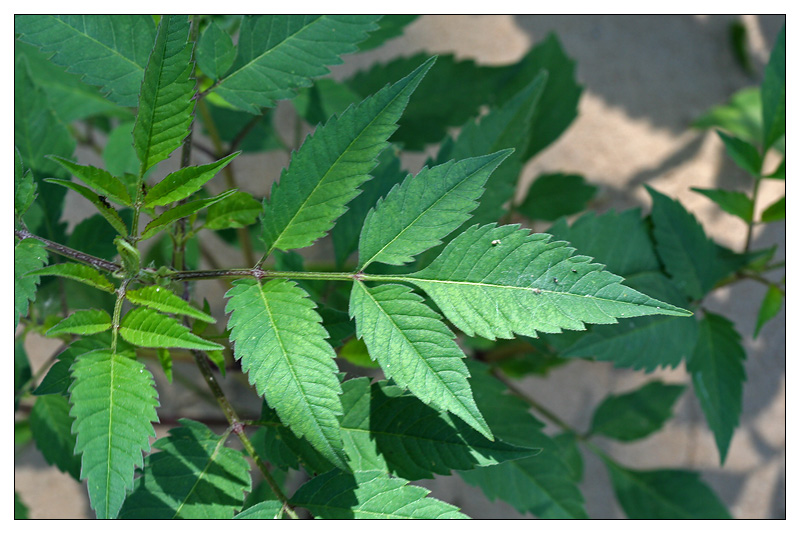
x=180, y=211
x=51, y=426
x=262, y=510
x=775, y=211
x=24, y=187
x=29, y=255
x=106, y=211
x=780, y=172
x=737, y=32
x=22, y=369
x=734, y=202
x=744, y=154
x=634, y=415
x=324, y=99
x=20, y=510
x=58, y=380
x=773, y=93
x=556, y=195
x=236, y=211
x=184, y=182
x=770, y=306
x=215, y=51
x=389, y=27
x=93, y=236
x=570, y=453
x=119, y=155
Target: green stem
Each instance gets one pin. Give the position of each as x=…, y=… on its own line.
x=94, y=261
x=117, y=313
x=751, y=224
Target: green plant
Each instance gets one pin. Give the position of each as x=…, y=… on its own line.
x=431, y=261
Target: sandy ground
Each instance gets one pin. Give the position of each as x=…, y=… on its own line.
x=646, y=79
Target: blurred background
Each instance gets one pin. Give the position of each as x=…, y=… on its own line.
x=645, y=79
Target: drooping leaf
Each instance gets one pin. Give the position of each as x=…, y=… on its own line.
x=164, y=300
x=107, y=50
x=180, y=211
x=106, y=211
x=113, y=402
x=29, y=255
x=415, y=348
x=369, y=495
x=637, y=414
x=82, y=322
x=78, y=272
x=324, y=175
x=773, y=93
x=24, y=187
x=148, y=328
x=770, y=306
x=277, y=54
x=389, y=27
x=102, y=181
x=51, y=427
x=744, y=154
x=236, y=211
x=417, y=214
x=717, y=369
x=184, y=182
x=556, y=195
x=278, y=337
x=194, y=476
x=387, y=429
x=215, y=51
x=165, y=101
x=664, y=494
x=518, y=282
x=733, y=202
x=775, y=211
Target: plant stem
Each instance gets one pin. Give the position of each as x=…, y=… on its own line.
x=97, y=263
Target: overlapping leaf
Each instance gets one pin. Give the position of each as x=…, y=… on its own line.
x=634, y=415
x=148, y=328
x=282, y=345
x=106, y=211
x=556, y=195
x=182, y=183
x=215, y=51
x=113, y=402
x=324, y=175
x=24, y=186
x=78, y=272
x=83, y=322
x=773, y=93
x=51, y=426
x=58, y=380
x=180, y=211
x=415, y=348
x=236, y=211
x=194, y=476
x=29, y=255
x=162, y=299
x=102, y=181
x=281, y=53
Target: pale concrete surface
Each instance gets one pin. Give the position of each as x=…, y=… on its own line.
x=645, y=79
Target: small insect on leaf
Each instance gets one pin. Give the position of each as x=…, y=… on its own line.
x=537, y=291
x=103, y=201
x=496, y=242
x=555, y=280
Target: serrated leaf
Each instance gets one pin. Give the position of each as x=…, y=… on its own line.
x=215, y=51
x=415, y=348
x=184, y=182
x=102, y=181
x=664, y=494
x=58, y=380
x=24, y=187
x=369, y=495
x=775, y=211
x=180, y=211
x=556, y=195
x=29, y=255
x=262, y=510
x=78, y=272
x=194, y=476
x=278, y=337
x=166, y=105
x=770, y=306
x=385, y=429
x=281, y=53
x=417, y=214
x=773, y=93
x=162, y=299
x=106, y=211
x=51, y=427
x=148, y=328
x=734, y=202
x=113, y=402
x=517, y=282
x=634, y=415
x=107, y=50
x=82, y=322
x=236, y=211
x=717, y=369
x=324, y=175
x=744, y=154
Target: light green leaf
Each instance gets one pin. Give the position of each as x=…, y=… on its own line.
x=182, y=183
x=415, y=348
x=282, y=345
x=664, y=494
x=106, y=211
x=556, y=195
x=165, y=359
x=236, y=211
x=147, y=328
x=734, y=202
x=113, y=402
x=744, y=154
x=281, y=53
x=369, y=495
x=637, y=414
x=107, y=50
x=717, y=369
x=387, y=429
x=775, y=211
x=29, y=255
x=51, y=426
x=165, y=101
x=162, y=299
x=194, y=476
x=417, y=214
x=215, y=51
x=324, y=175
x=741, y=116
x=518, y=282
x=82, y=322
x=24, y=187
x=770, y=306
x=262, y=510
x=180, y=211
x=78, y=272
x=773, y=93
x=98, y=179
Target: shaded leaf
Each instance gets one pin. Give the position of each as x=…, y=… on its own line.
x=106, y=211
x=773, y=93
x=20, y=510
x=236, y=211
x=637, y=414
x=262, y=510
x=180, y=211
x=119, y=155
x=148, y=328
x=184, y=182
x=389, y=27
x=770, y=306
x=775, y=211
x=51, y=427
x=24, y=187
x=29, y=255
x=325, y=98
x=58, y=380
x=82, y=322
x=215, y=51
x=355, y=351
x=556, y=195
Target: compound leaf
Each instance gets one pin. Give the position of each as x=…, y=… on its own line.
x=148, y=328
x=637, y=414
x=164, y=300
x=415, y=348
x=193, y=476
x=82, y=322
x=113, y=402
x=278, y=337
x=280, y=53
x=182, y=183
x=51, y=428
x=29, y=255
x=324, y=175
x=369, y=495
